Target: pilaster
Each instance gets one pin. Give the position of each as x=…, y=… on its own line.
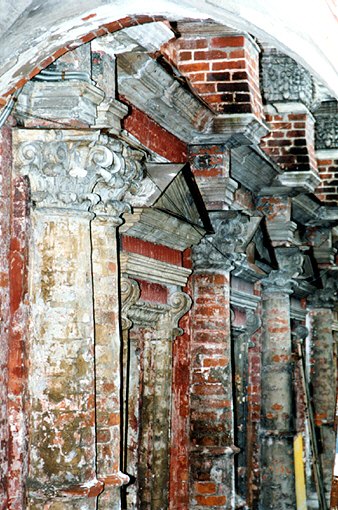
x=70, y=172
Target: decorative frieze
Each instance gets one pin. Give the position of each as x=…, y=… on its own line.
x=78, y=170
x=284, y=80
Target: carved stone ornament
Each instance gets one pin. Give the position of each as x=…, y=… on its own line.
x=326, y=126
x=78, y=170
x=327, y=296
x=290, y=261
x=162, y=318
x=130, y=294
x=284, y=80
x=225, y=248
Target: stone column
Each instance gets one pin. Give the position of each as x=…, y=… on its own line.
x=323, y=373
x=277, y=430
x=68, y=171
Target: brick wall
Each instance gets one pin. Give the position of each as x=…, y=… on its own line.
x=153, y=136
x=222, y=69
x=290, y=142
x=327, y=191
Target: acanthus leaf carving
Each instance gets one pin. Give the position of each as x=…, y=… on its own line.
x=79, y=170
x=226, y=248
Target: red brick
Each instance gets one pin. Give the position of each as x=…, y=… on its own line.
x=211, y=500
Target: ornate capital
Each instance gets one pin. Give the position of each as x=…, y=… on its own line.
x=279, y=282
x=290, y=262
x=327, y=296
x=220, y=251
x=284, y=80
x=162, y=318
x=78, y=170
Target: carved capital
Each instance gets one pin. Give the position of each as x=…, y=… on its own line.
x=163, y=319
x=78, y=170
x=222, y=250
x=278, y=282
x=326, y=297
x=284, y=80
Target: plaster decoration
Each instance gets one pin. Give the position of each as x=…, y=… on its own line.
x=284, y=80
x=77, y=170
x=130, y=294
x=291, y=260
x=226, y=248
x=156, y=271
x=278, y=281
x=326, y=127
x=162, y=318
x=243, y=300
x=301, y=181
x=326, y=297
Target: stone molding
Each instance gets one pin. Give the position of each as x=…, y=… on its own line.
x=290, y=261
x=78, y=170
x=243, y=300
x=156, y=271
x=284, y=80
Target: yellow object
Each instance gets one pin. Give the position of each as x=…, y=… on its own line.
x=299, y=473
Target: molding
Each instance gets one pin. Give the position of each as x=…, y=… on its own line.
x=61, y=102
x=244, y=300
x=297, y=313
x=146, y=268
x=327, y=153
x=147, y=85
x=301, y=181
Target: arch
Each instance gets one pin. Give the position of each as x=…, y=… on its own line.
x=306, y=31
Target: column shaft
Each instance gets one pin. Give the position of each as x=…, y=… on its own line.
x=61, y=371
x=278, y=486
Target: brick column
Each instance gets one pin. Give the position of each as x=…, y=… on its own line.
x=221, y=64
x=212, y=425
x=323, y=375
x=277, y=464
